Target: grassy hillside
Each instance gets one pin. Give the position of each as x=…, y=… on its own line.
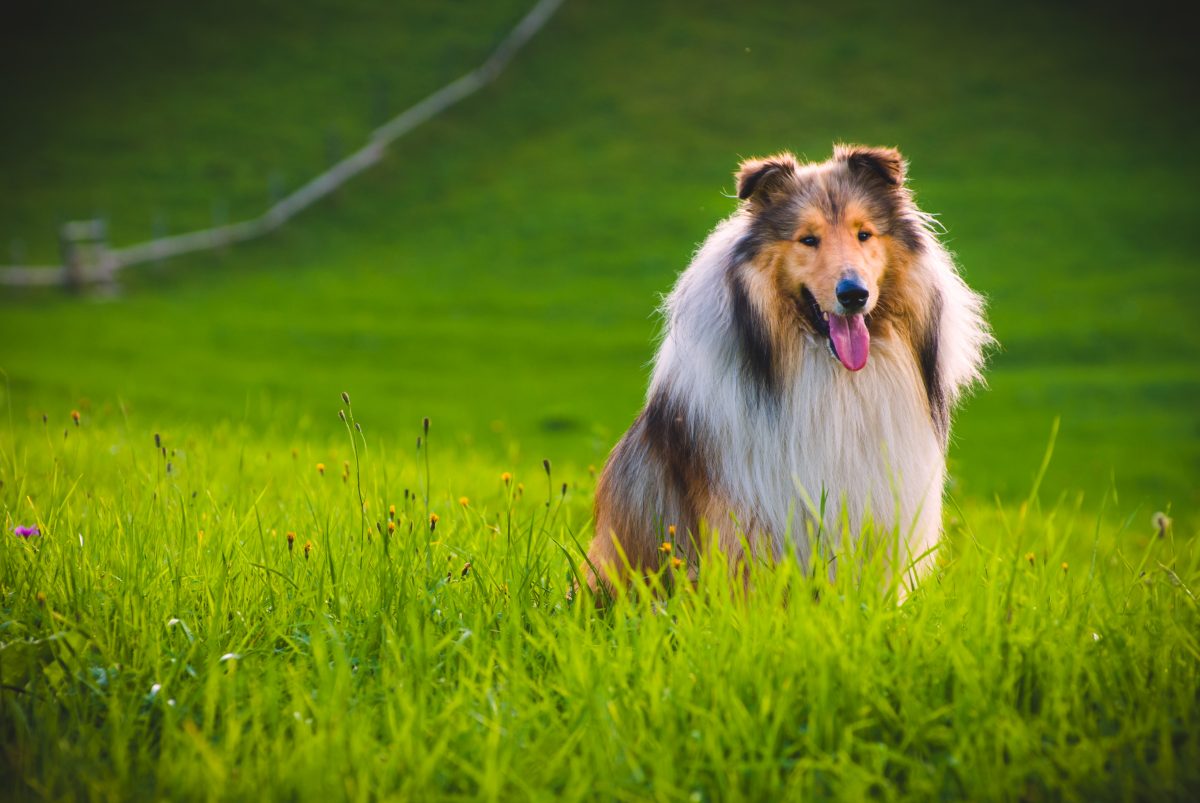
x=498, y=273
x=500, y=270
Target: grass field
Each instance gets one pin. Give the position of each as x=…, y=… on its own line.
x=498, y=273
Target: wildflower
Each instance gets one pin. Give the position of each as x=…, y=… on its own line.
x=321, y=469
x=671, y=531
x=1065, y=566
x=1029, y=557
x=345, y=397
x=666, y=548
x=676, y=563
x=25, y=532
x=75, y=417
x=464, y=501
x=520, y=488
x=466, y=569
x=308, y=547
x=291, y=537
x=433, y=520
x=200, y=535
x=41, y=598
x=506, y=478
x=1162, y=523
x=391, y=527
x=391, y=511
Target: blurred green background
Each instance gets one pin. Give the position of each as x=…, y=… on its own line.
x=500, y=270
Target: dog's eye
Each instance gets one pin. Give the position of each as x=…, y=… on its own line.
x=864, y=235
x=810, y=241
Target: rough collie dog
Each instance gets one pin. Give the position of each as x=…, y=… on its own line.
x=814, y=350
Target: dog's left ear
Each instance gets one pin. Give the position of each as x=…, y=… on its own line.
x=763, y=180
x=879, y=163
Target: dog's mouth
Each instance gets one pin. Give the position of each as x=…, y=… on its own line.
x=847, y=336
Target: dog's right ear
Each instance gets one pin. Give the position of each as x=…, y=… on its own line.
x=763, y=181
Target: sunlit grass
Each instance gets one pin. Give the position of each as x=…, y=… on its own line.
x=208, y=614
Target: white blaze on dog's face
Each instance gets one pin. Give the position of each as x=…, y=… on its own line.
x=827, y=235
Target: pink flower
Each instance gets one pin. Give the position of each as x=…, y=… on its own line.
x=25, y=532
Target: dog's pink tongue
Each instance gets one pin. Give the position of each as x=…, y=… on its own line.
x=851, y=340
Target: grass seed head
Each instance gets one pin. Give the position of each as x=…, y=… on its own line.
x=546, y=465
x=425, y=425
x=1162, y=523
x=345, y=397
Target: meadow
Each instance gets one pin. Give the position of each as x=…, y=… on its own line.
x=162, y=638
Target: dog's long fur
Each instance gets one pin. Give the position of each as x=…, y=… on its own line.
x=750, y=419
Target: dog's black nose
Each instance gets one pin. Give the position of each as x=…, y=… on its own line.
x=852, y=295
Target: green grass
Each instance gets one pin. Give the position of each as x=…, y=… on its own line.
x=498, y=273
x=162, y=641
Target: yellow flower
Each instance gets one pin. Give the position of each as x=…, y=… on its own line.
x=321, y=468
x=671, y=531
x=676, y=563
x=391, y=511
x=308, y=547
x=433, y=520
x=391, y=527
x=291, y=537
x=506, y=477
x=1029, y=557
x=75, y=417
x=200, y=535
x=666, y=548
x=464, y=501
x=1065, y=566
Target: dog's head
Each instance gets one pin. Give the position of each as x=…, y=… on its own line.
x=829, y=234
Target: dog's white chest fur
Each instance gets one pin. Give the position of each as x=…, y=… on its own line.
x=859, y=444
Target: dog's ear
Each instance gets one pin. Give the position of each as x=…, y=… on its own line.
x=763, y=181
x=885, y=164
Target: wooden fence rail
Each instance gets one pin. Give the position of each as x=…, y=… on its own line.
x=87, y=259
